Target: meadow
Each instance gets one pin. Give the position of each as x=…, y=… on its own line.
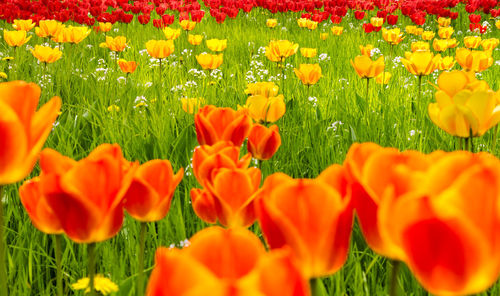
x=142, y=112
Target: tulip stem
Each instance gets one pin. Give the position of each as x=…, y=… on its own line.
x=367, y=88
x=494, y=142
x=317, y=288
x=59, y=286
x=471, y=142
x=394, y=277
x=3, y=273
x=142, y=242
x=91, y=263
x=160, y=74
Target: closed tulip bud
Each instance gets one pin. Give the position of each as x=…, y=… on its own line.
x=446, y=63
x=48, y=28
x=221, y=124
x=444, y=21
x=24, y=25
x=216, y=44
x=472, y=41
x=271, y=23
x=323, y=36
x=377, y=21
x=299, y=213
x=160, y=49
x=195, y=39
x=445, y=33
x=420, y=63
x=105, y=27
x=149, y=196
x=311, y=25
x=15, y=38
x=392, y=36
x=383, y=78
x=209, y=61
x=337, y=30
x=489, y=44
x=309, y=74
x=171, y=34
x=428, y=35
x=365, y=67
x=266, y=89
x=127, y=66
x=263, y=142
x=118, y=43
x=366, y=50
x=473, y=60
x=192, y=105
x=440, y=44
x=265, y=109
x=24, y=129
x=308, y=52
x=420, y=46
x=278, y=50
x=46, y=54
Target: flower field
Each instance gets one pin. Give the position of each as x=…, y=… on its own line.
x=250, y=147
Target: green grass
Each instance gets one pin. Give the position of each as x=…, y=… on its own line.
x=314, y=134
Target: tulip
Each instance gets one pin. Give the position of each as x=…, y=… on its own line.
x=446, y=63
x=214, y=124
x=418, y=31
x=302, y=22
x=377, y=21
x=473, y=60
x=445, y=33
x=76, y=34
x=410, y=29
x=440, y=44
x=392, y=36
x=24, y=25
x=420, y=46
x=171, y=34
x=278, y=51
x=48, y=28
x=323, y=36
x=187, y=25
x=225, y=262
x=195, y=39
x=359, y=15
x=313, y=217
x=392, y=19
x=366, y=50
x=105, y=27
x=150, y=194
x=337, y=31
x=383, y=78
x=309, y=74
x=216, y=44
x=452, y=43
x=489, y=44
x=472, y=41
x=209, y=61
x=308, y=52
x=15, y=38
x=46, y=54
x=118, y=43
x=444, y=22
x=127, y=66
x=266, y=89
x=420, y=63
x=271, y=23
x=192, y=105
x=497, y=24
x=265, y=109
x=311, y=25
x=365, y=67
x=160, y=49
x=428, y=35
x=24, y=130
x=263, y=142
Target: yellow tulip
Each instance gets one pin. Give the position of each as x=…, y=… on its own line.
x=366, y=50
x=209, y=61
x=311, y=25
x=337, y=30
x=452, y=43
x=271, y=23
x=266, y=89
x=171, y=34
x=48, y=28
x=216, y=44
x=25, y=25
x=323, y=36
x=265, y=109
x=420, y=63
x=428, y=35
x=302, y=22
x=78, y=34
x=377, y=21
x=309, y=74
x=195, y=39
x=160, y=49
x=365, y=67
x=46, y=54
x=383, y=78
x=308, y=52
x=444, y=21
x=192, y=105
x=410, y=29
x=419, y=46
x=446, y=63
x=392, y=36
x=419, y=31
x=15, y=38
x=119, y=43
x=473, y=60
x=440, y=44
x=445, y=33
x=489, y=44
x=187, y=25
x=497, y=24
x=105, y=27
x=472, y=41
x=278, y=51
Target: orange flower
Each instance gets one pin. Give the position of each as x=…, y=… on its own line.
x=118, y=43
x=226, y=262
x=187, y=25
x=23, y=130
x=48, y=28
x=449, y=229
x=263, y=142
x=215, y=124
x=311, y=216
x=127, y=66
x=35, y=203
x=87, y=196
x=150, y=194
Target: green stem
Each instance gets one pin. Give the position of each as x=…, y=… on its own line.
x=58, y=265
x=91, y=263
x=142, y=242
x=3, y=272
x=471, y=142
x=394, y=278
x=494, y=142
x=160, y=75
x=317, y=288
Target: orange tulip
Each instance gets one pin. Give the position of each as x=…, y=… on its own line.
x=230, y=262
x=15, y=38
x=49, y=28
x=23, y=129
x=35, y=203
x=187, y=25
x=150, y=194
x=118, y=43
x=25, y=25
x=105, y=27
x=127, y=66
x=215, y=124
x=160, y=49
x=87, y=196
x=311, y=216
x=263, y=142
x=450, y=236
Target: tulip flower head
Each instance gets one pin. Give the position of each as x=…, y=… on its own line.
x=118, y=43
x=365, y=67
x=383, y=78
x=420, y=46
x=473, y=60
x=209, y=61
x=440, y=44
x=309, y=74
x=160, y=49
x=105, y=26
x=323, y=36
x=377, y=21
x=366, y=50
x=15, y=38
x=302, y=22
x=266, y=89
x=216, y=44
x=444, y=21
x=337, y=30
x=271, y=23
x=171, y=34
x=446, y=63
x=127, y=66
x=187, y=25
x=308, y=52
x=48, y=28
x=428, y=35
x=472, y=41
x=265, y=109
x=195, y=39
x=263, y=142
x=46, y=54
x=489, y=44
x=446, y=32
x=192, y=105
x=392, y=36
x=420, y=63
x=279, y=50
x=311, y=25
x=24, y=25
